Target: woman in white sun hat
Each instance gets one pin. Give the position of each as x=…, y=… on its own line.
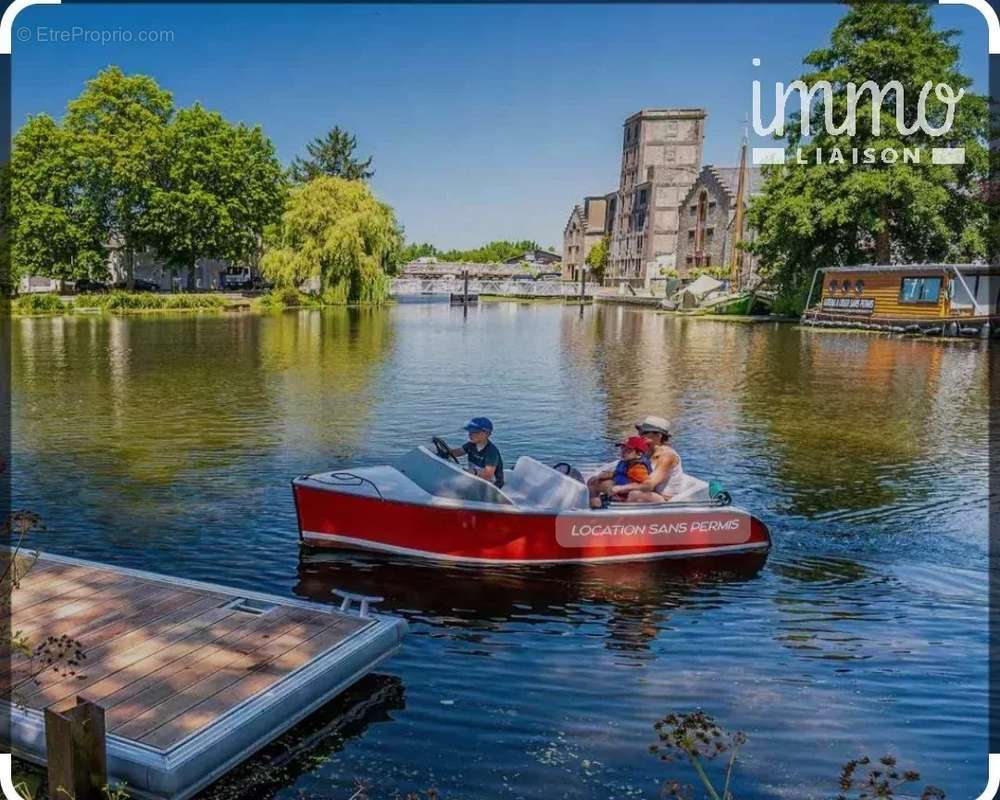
x=667, y=474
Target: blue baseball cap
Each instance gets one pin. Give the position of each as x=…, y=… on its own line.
x=479, y=424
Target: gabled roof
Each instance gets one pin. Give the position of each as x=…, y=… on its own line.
x=727, y=180
x=729, y=177
x=578, y=213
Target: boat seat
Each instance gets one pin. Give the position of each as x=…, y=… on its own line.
x=532, y=483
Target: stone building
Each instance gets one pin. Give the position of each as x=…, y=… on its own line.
x=661, y=156
x=587, y=225
x=706, y=235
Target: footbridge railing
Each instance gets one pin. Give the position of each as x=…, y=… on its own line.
x=408, y=287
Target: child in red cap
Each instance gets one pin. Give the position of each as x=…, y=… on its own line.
x=634, y=464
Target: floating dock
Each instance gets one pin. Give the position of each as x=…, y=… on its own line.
x=193, y=677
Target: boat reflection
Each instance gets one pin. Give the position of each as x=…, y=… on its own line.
x=632, y=599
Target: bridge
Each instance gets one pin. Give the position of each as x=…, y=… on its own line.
x=500, y=287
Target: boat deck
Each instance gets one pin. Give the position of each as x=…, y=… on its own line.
x=193, y=677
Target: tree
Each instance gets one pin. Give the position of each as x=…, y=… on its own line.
x=493, y=252
x=215, y=194
x=331, y=155
x=597, y=258
x=813, y=215
x=336, y=231
x=412, y=252
x=55, y=230
x=115, y=136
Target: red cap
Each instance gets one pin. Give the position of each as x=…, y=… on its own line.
x=635, y=443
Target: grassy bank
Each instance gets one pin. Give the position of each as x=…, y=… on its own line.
x=119, y=303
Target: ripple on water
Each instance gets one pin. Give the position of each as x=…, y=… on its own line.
x=865, y=630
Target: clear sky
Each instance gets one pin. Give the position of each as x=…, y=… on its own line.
x=485, y=122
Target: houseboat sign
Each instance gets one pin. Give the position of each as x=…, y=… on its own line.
x=849, y=305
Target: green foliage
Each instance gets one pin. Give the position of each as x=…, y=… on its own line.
x=287, y=297
x=331, y=155
x=55, y=230
x=597, y=258
x=219, y=188
x=414, y=251
x=490, y=253
x=39, y=304
x=122, y=169
x=115, y=139
x=148, y=301
x=495, y=251
x=820, y=215
x=336, y=231
x=719, y=273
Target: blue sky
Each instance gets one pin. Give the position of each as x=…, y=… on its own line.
x=485, y=122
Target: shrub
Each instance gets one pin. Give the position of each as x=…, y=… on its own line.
x=147, y=301
x=40, y=304
x=287, y=297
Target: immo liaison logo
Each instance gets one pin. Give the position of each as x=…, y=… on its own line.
x=869, y=92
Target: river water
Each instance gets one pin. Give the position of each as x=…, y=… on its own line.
x=167, y=443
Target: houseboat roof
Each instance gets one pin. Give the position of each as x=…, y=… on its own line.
x=965, y=269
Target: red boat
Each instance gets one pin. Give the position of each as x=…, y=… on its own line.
x=428, y=506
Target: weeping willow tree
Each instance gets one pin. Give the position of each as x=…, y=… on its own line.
x=335, y=231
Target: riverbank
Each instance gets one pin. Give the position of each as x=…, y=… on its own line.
x=121, y=302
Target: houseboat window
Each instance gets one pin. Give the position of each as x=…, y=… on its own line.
x=847, y=286
x=859, y=286
x=834, y=286
x=920, y=290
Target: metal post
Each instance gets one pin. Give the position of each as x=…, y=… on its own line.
x=583, y=283
x=465, y=287
x=76, y=752
x=811, y=287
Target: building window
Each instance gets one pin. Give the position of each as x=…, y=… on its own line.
x=920, y=290
x=649, y=173
x=690, y=234
x=709, y=232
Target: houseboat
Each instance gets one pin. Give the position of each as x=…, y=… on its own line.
x=929, y=299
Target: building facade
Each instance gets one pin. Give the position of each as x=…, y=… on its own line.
x=587, y=225
x=661, y=158
x=706, y=235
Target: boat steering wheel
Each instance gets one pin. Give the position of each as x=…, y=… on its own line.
x=443, y=450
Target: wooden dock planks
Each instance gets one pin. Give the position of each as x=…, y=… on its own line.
x=164, y=660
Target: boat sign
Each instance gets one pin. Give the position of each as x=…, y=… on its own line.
x=630, y=529
x=849, y=305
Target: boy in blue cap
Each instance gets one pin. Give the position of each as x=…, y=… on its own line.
x=484, y=456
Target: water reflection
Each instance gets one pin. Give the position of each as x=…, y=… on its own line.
x=167, y=444
x=632, y=602
x=293, y=757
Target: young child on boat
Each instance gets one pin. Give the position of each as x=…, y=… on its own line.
x=633, y=467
